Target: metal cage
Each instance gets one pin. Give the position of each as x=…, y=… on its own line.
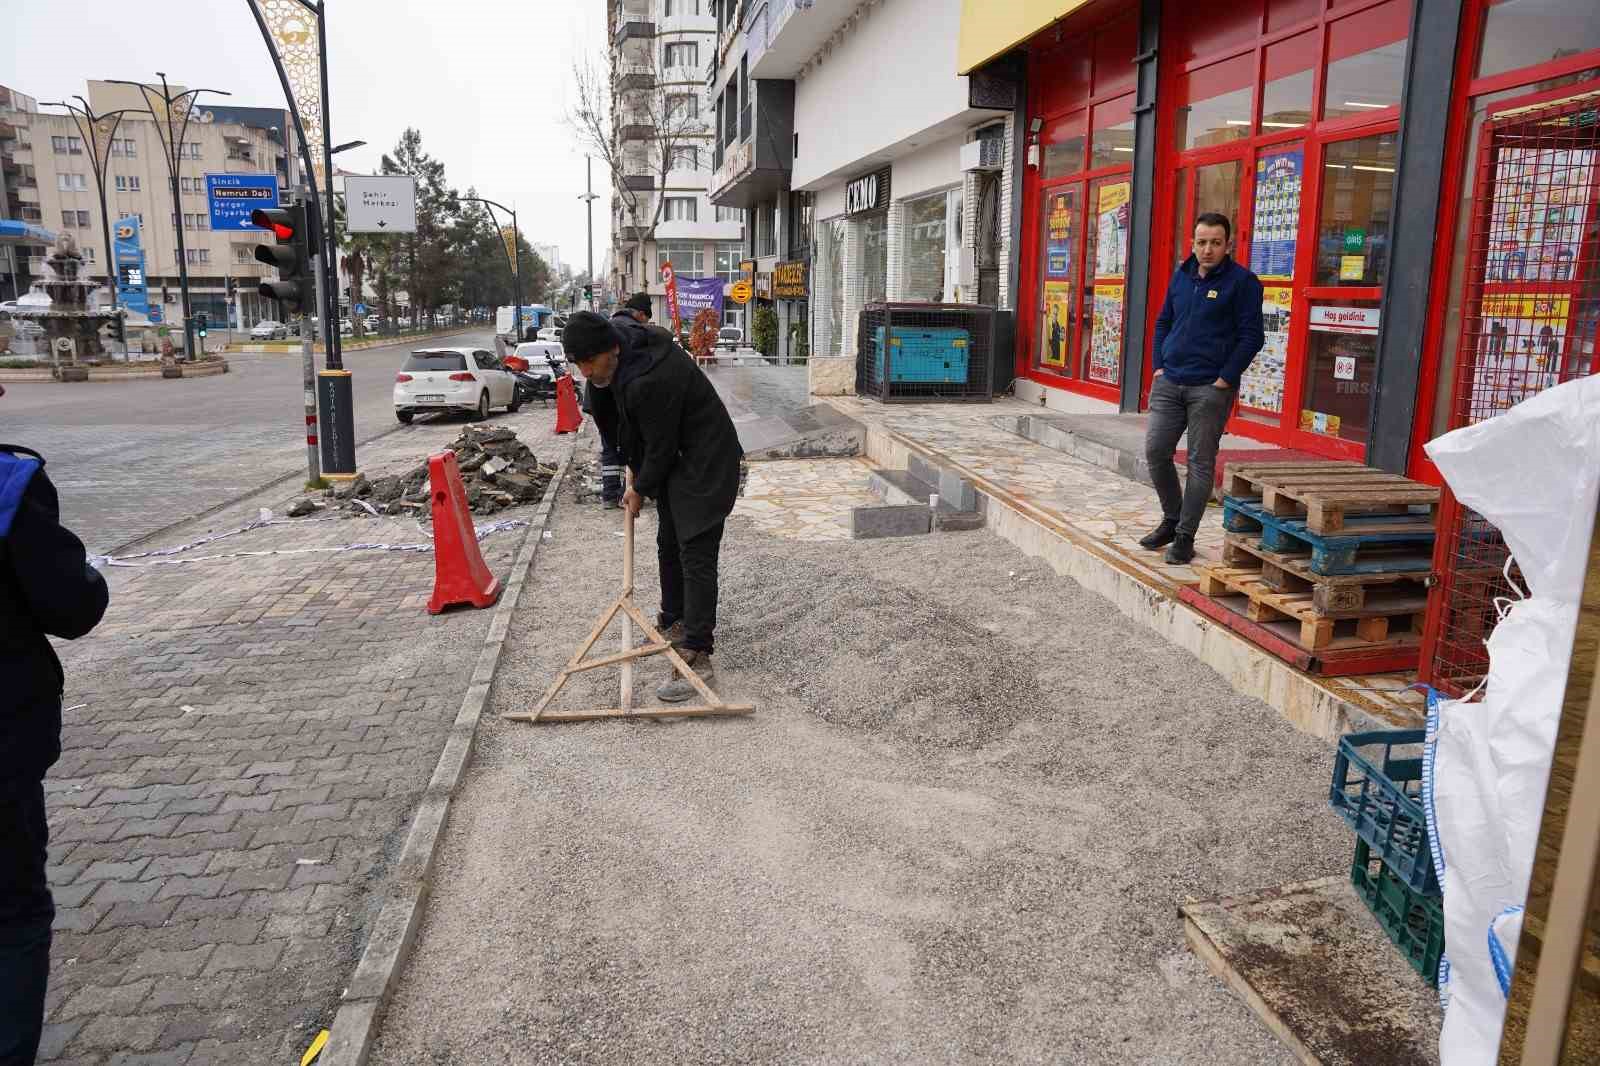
x=1531, y=303
x=922, y=353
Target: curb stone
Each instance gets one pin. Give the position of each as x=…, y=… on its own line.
x=395, y=929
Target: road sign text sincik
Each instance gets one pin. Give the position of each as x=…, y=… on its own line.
x=231, y=198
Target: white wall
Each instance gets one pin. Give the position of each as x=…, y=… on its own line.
x=889, y=79
x=937, y=166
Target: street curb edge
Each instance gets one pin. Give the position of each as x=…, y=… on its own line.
x=394, y=931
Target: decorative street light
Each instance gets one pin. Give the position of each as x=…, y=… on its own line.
x=172, y=142
x=513, y=258
x=99, y=133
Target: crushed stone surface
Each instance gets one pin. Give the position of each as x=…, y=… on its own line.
x=957, y=829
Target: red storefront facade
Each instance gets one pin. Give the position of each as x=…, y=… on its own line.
x=1286, y=115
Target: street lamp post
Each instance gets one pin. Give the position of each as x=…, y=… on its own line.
x=99, y=131
x=513, y=261
x=589, y=198
x=172, y=142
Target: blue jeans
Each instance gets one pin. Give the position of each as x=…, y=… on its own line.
x=26, y=912
x=1202, y=410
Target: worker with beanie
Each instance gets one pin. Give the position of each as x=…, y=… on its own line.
x=674, y=434
x=632, y=314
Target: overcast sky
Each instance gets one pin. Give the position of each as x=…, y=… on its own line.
x=486, y=81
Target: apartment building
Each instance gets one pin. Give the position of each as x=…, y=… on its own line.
x=660, y=213
x=50, y=181
x=869, y=168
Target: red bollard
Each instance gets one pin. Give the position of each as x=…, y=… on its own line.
x=460, y=575
x=568, y=417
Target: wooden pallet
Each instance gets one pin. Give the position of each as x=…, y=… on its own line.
x=1330, y=593
x=1325, y=494
x=1342, y=657
x=1370, y=622
x=1367, y=544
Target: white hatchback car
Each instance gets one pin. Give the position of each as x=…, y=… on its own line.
x=453, y=379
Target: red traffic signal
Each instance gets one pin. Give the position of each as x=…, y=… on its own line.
x=280, y=221
x=291, y=256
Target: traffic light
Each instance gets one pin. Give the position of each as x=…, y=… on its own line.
x=202, y=323
x=291, y=256
x=588, y=292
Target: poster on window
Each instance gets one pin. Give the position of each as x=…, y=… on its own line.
x=1261, y=384
x=1519, y=351
x=1111, y=239
x=1057, y=332
x=1541, y=197
x=1105, y=340
x=1277, y=216
x=1058, y=236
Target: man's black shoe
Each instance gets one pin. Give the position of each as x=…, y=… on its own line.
x=1182, y=550
x=1160, y=536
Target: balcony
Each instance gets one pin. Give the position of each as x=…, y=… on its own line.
x=786, y=33
x=636, y=76
x=637, y=128
x=632, y=234
x=634, y=27
x=639, y=182
x=755, y=167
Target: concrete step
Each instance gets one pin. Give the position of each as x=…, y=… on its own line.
x=900, y=488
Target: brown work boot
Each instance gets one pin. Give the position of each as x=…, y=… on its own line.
x=678, y=689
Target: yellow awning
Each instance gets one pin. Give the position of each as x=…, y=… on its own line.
x=990, y=28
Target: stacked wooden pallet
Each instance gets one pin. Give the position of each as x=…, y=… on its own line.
x=1325, y=564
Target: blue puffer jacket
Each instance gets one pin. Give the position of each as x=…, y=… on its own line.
x=1209, y=327
x=47, y=589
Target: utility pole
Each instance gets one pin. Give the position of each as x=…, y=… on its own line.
x=589, y=198
x=513, y=256
x=308, y=377
x=172, y=142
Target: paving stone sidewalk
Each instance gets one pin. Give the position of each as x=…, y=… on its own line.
x=245, y=743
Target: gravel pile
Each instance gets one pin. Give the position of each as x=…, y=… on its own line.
x=956, y=830
x=497, y=471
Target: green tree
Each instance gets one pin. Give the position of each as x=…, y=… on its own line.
x=429, y=255
x=764, y=330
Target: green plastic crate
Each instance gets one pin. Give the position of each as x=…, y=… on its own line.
x=1414, y=921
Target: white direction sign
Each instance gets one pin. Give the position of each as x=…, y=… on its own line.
x=380, y=203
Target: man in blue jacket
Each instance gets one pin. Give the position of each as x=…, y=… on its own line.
x=47, y=588
x=1208, y=331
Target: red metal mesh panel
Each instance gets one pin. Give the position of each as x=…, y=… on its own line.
x=1532, y=301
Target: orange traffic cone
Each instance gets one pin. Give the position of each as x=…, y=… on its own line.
x=568, y=417
x=460, y=575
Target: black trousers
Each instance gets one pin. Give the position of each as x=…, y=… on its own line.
x=688, y=578
x=26, y=911
x=610, y=470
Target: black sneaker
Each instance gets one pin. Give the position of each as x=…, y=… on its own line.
x=1160, y=536
x=1182, y=550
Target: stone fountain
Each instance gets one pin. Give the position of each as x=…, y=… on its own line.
x=62, y=308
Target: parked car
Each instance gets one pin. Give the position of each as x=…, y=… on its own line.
x=549, y=333
x=269, y=330
x=453, y=379
x=730, y=338
x=374, y=323
x=346, y=328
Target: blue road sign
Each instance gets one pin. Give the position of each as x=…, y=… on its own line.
x=234, y=196
x=361, y=309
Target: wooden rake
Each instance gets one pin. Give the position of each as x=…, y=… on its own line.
x=623, y=605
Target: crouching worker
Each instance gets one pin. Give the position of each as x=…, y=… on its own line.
x=672, y=431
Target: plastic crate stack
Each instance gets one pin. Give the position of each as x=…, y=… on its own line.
x=1377, y=789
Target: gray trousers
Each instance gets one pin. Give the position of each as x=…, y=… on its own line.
x=1202, y=410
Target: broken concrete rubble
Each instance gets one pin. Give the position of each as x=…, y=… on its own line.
x=497, y=471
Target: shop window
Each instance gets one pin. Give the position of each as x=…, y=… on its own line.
x=1525, y=33
x=1366, y=61
x=1105, y=277
x=1207, y=29
x=875, y=258
x=828, y=287
x=1353, y=225
x=1218, y=107
x=1112, y=129
x=1290, y=80
x=924, y=239
x=1180, y=219
x=1216, y=188
x=1063, y=147
x=1281, y=14
x=1274, y=236
x=1114, y=47
x=1058, y=227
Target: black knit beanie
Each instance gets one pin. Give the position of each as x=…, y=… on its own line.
x=587, y=335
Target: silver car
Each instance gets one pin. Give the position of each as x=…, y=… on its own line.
x=269, y=330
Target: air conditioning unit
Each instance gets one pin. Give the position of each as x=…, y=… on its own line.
x=986, y=153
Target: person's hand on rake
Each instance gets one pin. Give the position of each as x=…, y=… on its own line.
x=632, y=502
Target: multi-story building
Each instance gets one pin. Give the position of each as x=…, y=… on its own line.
x=869, y=168
x=551, y=254
x=50, y=181
x=662, y=137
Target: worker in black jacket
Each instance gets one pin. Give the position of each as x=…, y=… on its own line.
x=675, y=435
x=47, y=588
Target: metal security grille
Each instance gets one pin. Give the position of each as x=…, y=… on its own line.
x=920, y=353
x=1532, y=302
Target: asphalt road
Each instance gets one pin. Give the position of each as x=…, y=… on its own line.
x=131, y=458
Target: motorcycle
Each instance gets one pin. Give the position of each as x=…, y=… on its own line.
x=536, y=385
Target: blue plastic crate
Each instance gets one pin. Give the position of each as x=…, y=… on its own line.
x=924, y=354
x=1379, y=794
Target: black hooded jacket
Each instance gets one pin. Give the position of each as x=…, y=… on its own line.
x=47, y=588
x=671, y=427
